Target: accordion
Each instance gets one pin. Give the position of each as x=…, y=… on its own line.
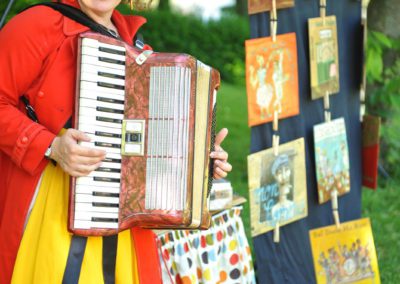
x=154, y=115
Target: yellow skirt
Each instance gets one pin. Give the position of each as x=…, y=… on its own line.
x=44, y=248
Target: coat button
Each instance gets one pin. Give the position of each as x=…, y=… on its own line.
x=40, y=94
x=24, y=140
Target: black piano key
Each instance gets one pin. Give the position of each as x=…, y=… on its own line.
x=105, y=194
x=106, y=109
x=108, y=170
x=112, y=160
x=106, y=179
x=109, y=75
x=110, y=220
x=108, y=100
x=110, y=86
x=112, y=51
x=112, y=61
x=102, y=204
x=108, y=119
x=105, y=134
x=108, y=145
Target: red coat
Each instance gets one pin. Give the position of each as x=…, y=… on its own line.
x=38, y=51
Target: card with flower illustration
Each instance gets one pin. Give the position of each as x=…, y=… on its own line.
x=271, y=78
x=324, y=56
x=277, y=187
x=346, y=254
x=331, y=159
x=258, y=6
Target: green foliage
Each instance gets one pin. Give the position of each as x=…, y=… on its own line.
x=383, y=74
x=217, y=43
x=16, y=7
x=384, y=212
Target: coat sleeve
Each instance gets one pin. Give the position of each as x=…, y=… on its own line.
x=25, y=43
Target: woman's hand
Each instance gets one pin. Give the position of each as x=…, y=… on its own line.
x=74, y=159
x=221, y=165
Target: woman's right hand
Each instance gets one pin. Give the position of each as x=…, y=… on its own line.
x=74, y=159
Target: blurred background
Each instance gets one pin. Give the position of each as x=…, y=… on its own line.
x=215, y=31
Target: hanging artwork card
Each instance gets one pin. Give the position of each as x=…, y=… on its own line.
x=277, y=186
x=331, y=159
x=370, y=151
x=346, y=254
x=324, y=58
x=258, y=6
x=272, y=78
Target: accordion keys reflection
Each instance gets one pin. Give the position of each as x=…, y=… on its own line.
x=155, y=122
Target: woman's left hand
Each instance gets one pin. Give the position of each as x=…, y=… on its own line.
x=221, y=165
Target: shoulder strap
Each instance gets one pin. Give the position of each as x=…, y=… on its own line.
x=78, y=16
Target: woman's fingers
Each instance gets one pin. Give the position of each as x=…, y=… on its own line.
x=224, y=166
x=219, y=155
x=221, y=169
x=219, y=138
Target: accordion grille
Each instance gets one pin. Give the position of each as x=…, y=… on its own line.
x=168, y=138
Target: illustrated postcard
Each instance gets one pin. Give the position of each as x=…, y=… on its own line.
x=331, y=159
x=272, y=78
x=324, y=56
x=346, y=254
x=277, y=187
x=370, y=151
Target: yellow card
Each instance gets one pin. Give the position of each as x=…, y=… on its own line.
x=346, y=254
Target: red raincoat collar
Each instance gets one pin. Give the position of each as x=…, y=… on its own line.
x=127, y=25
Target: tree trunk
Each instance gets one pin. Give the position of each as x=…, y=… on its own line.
x=241, y=7
x=164, y=5
x=384, y=16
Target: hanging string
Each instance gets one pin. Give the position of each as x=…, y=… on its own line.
x=322, y=10
x=275, y=146
x=273, y=21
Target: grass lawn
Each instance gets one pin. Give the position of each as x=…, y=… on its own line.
x=382, y=206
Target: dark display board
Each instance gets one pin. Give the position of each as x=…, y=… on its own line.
x=290, y=261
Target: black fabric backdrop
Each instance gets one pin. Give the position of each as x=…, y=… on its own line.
x=290, y=261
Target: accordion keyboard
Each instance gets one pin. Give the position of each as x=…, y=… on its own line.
x=101, y=108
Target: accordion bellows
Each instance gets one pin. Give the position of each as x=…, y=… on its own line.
x=154, y=114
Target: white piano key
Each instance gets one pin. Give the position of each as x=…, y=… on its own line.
x=95, y=52
x=111, y=165
x=92, y=86
x=107, y=149
x=88, y=111
x=95, y=61
x=93, y=104
x=88, y=225
x=88, y=207
x=90, y=94
x=85, y=216
x=95, y=43
x=96, y=173
x=87, y=128
x=82, y=198
x=87, y=189
x=96, y=78
x=92, y=121
x=114, y=156
x=88, y=68
x=95, y=138
x=90, y=181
